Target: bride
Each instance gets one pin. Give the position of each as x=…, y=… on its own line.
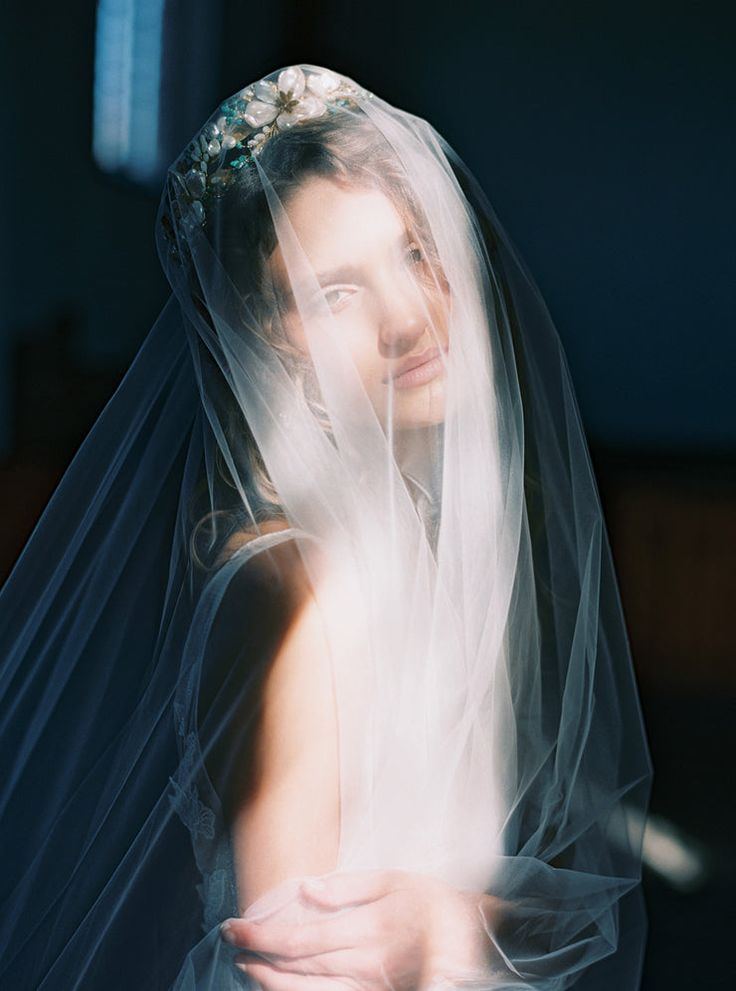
x=317, y=645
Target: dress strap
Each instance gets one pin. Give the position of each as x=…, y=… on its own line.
x=270, y=539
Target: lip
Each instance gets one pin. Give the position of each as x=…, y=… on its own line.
x=417, y=370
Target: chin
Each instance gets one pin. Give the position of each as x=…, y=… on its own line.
x=423, y=407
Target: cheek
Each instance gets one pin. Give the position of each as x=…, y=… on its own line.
x=361, y=343
x=359, y=338
x=293, y=330
x=441, y=309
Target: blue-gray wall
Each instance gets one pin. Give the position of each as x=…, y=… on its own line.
x=603, y=134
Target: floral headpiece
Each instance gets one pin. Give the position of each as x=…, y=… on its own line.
x=248, y=119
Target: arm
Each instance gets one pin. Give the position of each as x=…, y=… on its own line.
x=285, y=824
x=288, y=822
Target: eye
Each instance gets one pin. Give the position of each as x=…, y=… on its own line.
x=331, y=297
x=415, y=253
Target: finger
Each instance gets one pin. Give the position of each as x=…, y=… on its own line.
x=350, y=887
x=271, y=978
x=332, y=932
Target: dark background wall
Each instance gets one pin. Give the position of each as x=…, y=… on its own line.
x=604, y=135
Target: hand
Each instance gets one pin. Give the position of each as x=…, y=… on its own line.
x=368, y=931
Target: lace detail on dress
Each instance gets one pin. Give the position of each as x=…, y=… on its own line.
x=196, y=816
x=180, y=716
x=216, y=894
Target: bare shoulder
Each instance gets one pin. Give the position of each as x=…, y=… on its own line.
x=276, y=575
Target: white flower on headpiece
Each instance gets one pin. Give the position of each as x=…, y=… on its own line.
x=291, y=99
x=248, y=120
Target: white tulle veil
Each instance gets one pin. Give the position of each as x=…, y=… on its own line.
x=445, y=521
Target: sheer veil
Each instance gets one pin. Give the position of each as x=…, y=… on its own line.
x=355, y=397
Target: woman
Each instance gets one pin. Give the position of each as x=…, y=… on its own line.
x=338, y=600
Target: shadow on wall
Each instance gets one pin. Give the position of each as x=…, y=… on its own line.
x=55, y=401
x=672, y=523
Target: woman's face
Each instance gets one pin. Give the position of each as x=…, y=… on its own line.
x=386, y=304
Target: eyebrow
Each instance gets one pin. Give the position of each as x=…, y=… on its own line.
x=344, y=273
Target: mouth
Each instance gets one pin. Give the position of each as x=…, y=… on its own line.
x=418, y=370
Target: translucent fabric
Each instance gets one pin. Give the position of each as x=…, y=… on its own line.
x=326, y=591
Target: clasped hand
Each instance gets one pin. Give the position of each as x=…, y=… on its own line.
x=371, y=931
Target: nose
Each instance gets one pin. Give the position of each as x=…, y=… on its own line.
x=403, y=317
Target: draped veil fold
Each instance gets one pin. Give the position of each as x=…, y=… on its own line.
x=449, y=532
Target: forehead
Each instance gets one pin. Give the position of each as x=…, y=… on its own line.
x=337, y=224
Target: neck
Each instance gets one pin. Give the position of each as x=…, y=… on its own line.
x=418, y=454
